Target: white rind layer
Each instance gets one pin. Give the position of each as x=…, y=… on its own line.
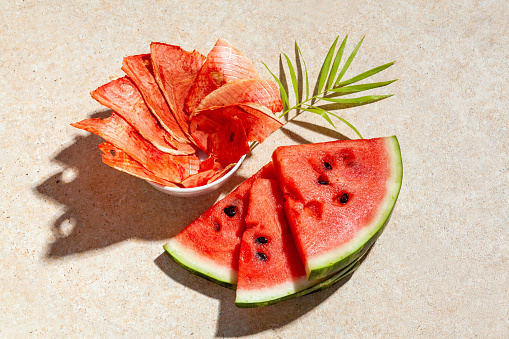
x=275, y=292
x=393, y=186
x=196, y=262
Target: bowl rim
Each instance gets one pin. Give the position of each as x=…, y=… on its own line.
x=204, y=187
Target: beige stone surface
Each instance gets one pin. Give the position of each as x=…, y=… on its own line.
x=81, y=244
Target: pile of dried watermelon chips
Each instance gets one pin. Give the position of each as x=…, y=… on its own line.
x=173, y=103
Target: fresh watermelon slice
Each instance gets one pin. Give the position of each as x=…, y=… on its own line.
x=269, y=265
x=339, y=197
x=210, y=245
x=317, y=285
x=270, y=269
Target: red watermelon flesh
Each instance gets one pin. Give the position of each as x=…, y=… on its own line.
x=269, y=264
x=210, y=245
x=122, y=96
x=339, y=196
x=140, y=71
x=224, y=64
x=259, y=91
x=175, y=71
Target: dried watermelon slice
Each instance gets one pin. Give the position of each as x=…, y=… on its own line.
x=229, y=143
x=258, y=122
x=125, y=99
x=118, y=159
x=224, y=64
x=175, y=71
x=139, y=69
x=222, y=172
x=122, y=135
x=210, y=245
x=263, y=92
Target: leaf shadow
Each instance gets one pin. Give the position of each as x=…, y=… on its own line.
x=237, y=322
x=299, y=139
x=103, y=206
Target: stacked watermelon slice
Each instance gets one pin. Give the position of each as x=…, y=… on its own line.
x=173, y=103
x=298, y=225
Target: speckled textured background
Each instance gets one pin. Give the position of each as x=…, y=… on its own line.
x=81, y=244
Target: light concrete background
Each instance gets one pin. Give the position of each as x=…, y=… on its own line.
x=81, y=244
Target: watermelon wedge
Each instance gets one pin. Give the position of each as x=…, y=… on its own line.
x=210, y=245
x=339, y=197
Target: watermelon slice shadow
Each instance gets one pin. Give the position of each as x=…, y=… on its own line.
x=236, y=322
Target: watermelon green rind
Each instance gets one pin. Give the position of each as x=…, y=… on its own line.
x=259, y=298
x=201, y=266
x=334, y=260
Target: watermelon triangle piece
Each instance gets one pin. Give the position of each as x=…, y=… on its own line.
x=270, y=269
x=269, y=264
x=339, y=197
x=210, y=245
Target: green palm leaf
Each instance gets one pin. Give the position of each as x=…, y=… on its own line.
x=306, y=69
x=293, y=77
x=284, y=96
x=329, y=87
x=326, y=66
x=335, y=65
x=360, y=88
x=365, y=75
x=360, y=100
x=349, y=60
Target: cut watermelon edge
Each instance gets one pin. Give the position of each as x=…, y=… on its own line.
x=201, y=266
x=327, y=263
x=265, y=297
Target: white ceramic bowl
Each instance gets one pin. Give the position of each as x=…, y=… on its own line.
x=195, y=191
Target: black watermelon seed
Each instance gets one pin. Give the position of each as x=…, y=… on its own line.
x=261, y=256
x=323, y=182
x=261, y=240
x=112, y=152
x=327, y=165
x=344, y=198
x=230, y=211
x=217, y=227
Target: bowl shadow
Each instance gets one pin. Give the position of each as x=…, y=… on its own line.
x=103, y=206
